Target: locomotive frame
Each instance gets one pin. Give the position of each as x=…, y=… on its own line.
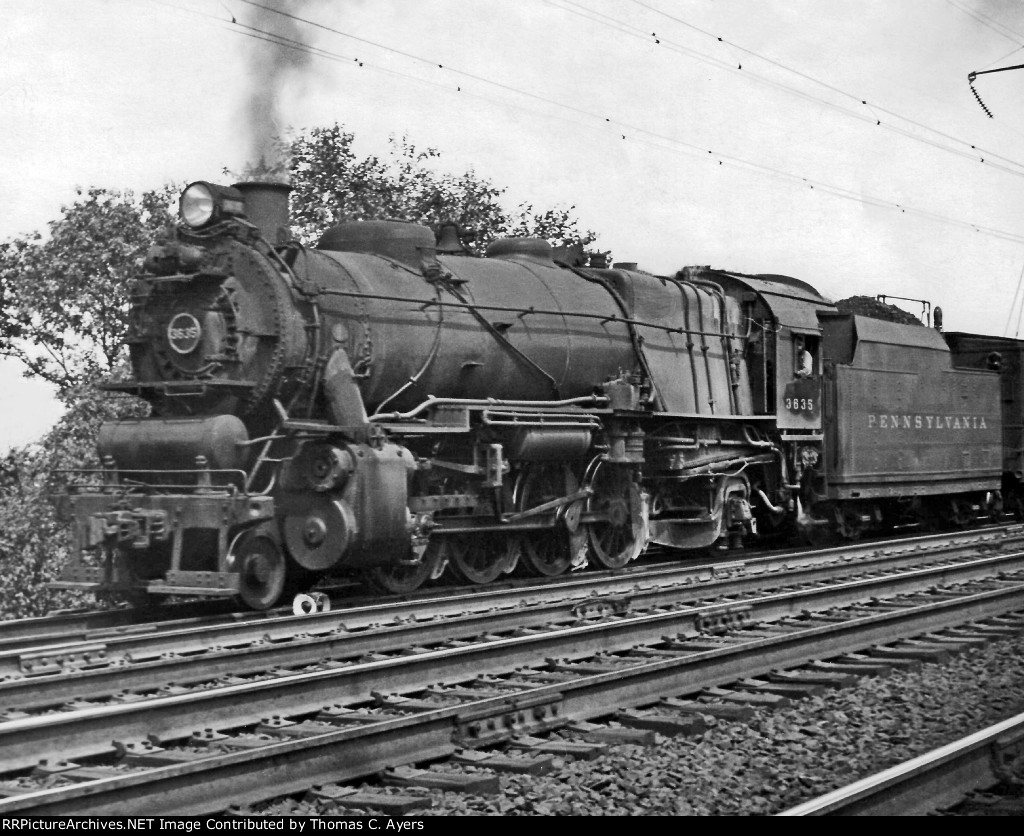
x=389, y=406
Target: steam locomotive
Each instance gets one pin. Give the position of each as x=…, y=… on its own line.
x=387, y=406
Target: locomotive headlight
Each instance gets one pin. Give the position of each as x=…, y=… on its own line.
x=203, y=203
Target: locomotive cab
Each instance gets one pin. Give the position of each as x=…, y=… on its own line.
x=785, y=363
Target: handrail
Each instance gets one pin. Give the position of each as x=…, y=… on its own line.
x=490, y=403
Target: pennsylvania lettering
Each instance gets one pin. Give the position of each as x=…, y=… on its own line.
x=889, y=421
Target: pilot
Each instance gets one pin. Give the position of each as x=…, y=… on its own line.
x=804, y=358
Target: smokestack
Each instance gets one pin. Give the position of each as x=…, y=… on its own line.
x=266, y=205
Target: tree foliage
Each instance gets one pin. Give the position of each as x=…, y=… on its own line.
x=64, y=297
x=332, y=184
x=35, y=538
x=63, y=314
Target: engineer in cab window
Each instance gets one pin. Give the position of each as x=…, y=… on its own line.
x=804, y=360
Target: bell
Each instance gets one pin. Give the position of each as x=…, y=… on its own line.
x=448, y=240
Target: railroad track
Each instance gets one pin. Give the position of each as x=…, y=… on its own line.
x=200, y=747
x=89, y=625
x=69, y=625
x=127, y=628
x=941, y=779
x=199, y=655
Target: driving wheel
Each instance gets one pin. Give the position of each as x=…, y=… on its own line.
x=398, y=578
x=616, y=499
x=475, y=558
x=551, y=551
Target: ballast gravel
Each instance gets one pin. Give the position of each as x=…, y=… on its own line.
x=783, y=756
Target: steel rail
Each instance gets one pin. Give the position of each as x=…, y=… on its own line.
x=210, y=784
x=88, y=732
x=195, y=634
x=93, y=625
x=70, y=625
x=674, y=586
x=931, y=781
x=817, y=591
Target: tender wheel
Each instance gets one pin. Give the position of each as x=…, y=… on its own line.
x=553, y=551
x=849, y=524
x=262, y=570
x=994, y=508
x=477, y=559
x=933, y=515
x=1014, y=505
x=962, y=513
x=613, y=541
x=818, y=536
x=946, y=513
x=813, y=531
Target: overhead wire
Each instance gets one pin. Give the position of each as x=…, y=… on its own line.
x=969, y=150
x=634, y=132
x=1003, y=58
x=974, y=153
x=236, y=28
x=989, y=22
x=981, y=155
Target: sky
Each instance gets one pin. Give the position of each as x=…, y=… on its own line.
x=838, y=142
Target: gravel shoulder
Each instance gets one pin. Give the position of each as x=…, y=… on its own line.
x=784, y=756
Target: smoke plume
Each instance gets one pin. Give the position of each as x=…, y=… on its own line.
x=277, y=59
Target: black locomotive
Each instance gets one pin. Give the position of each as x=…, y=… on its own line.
x=386, y=404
